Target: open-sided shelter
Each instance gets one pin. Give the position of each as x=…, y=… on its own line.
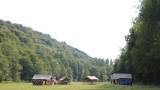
x=42, y=79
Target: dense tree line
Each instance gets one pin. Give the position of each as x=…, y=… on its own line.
x=141, y=56
x=24, y=52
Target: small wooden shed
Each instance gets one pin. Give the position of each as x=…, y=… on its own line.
x=63, y=80
x=42, y=79
x=121, y=78
x=91, y=79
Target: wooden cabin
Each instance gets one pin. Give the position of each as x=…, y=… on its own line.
x=63, y=80
x=42, y=79
x=91, y=79
x=121, y=78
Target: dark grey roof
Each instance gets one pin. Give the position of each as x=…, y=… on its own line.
x=38, y=76
x=121, y=75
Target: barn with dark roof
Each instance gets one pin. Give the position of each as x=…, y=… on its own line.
x=121, y=78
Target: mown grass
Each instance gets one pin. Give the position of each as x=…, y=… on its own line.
x=74, y=86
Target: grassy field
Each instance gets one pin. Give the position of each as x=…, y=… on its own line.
x=74, y=86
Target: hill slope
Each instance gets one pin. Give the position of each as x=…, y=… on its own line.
x=24, y=52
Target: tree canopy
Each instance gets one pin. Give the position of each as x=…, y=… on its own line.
x=141, y=55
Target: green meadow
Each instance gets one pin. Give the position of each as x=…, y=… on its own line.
x=74, y=86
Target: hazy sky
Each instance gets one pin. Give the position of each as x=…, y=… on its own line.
x=96, y=27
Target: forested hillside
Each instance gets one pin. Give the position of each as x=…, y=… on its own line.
x=24, y=52
x=141, y=56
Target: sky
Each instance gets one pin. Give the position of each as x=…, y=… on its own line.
x=97, y=27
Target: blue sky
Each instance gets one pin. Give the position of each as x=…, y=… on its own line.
x=96, y=27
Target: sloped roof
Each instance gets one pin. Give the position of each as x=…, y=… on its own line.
x=121, y=75
x=63, y=78
x=38, y=76
x=92, y=77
